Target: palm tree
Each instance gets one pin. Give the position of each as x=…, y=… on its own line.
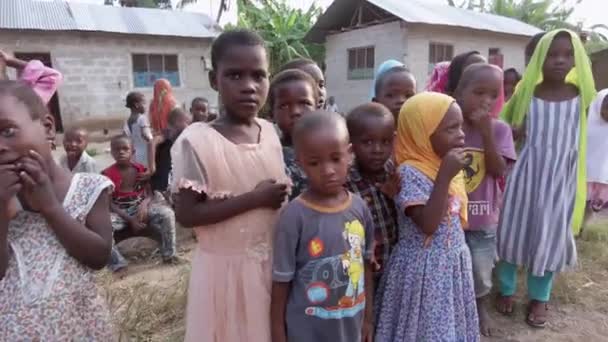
x=544, y=14
x=283, y=28
x=222, y=8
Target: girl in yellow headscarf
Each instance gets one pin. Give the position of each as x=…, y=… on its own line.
x=545, y=197
x=430, y=268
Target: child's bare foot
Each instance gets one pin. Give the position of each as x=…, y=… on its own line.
x=537, y=314
x=504, y=305
x=486, y=324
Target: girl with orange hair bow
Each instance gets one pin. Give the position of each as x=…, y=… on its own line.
x=162, y=104
x=427, y=291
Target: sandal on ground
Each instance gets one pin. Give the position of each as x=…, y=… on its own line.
x=537, y=313
x=504, y=305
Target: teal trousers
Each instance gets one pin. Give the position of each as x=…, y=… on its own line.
x=539, y=288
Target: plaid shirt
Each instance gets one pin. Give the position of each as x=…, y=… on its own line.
x=294, y=172
x=383, y=212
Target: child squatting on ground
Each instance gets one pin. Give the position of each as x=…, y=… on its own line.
x=135, y=209
x=427, y=292
x=230, y=181
x=322, y=285
x=546, y=191
x=293, y=93
x=48, y=249
x=489, y=150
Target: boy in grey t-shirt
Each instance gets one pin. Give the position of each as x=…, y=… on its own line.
x=322, y=284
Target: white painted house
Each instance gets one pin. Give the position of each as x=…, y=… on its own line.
x=361, y=34
x=104, y=52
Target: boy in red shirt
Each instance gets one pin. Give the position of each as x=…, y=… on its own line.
x=134, y=210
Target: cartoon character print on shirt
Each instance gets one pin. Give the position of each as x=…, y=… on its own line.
x=474, y=174
x=475, y=169
x=352, y=262
x=336, y=284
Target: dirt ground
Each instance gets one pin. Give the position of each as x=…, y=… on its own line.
x=148, y=300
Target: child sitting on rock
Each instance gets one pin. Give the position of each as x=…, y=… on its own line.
x=135, y=212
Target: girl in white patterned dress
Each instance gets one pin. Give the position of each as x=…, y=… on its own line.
x=49, y=248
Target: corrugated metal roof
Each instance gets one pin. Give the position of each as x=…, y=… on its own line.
x=64, y=16
x=35, y=15
x=421, y=12
x=425, y=12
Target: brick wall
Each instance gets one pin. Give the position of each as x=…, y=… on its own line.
x=410, y=44
x=463, y=40
x=97, y=68
x=389, y=43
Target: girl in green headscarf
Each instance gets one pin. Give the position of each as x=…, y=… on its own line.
x=545, y=197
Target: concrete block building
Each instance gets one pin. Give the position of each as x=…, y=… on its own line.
x=104, y=52
x=361, y=34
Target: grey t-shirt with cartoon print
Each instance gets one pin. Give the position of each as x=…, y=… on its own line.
x=322, y=252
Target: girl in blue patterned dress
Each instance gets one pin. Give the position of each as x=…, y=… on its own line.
x=427, y=290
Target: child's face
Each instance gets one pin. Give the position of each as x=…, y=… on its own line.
x=509, y=83
x=396, y=88
x=19, y=134
x=179, y=125
x=122, y=151
x=324, y=156
x=317, y=74
x=559, y=60
x=604, y=111
x=481, y=93
x=74, y=143
x=449, y=134
x=140, y=105
x=199, y=111
x=241, y=79
x=292, y=100
x=373, y=145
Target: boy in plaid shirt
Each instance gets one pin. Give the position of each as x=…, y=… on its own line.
x=372, y=131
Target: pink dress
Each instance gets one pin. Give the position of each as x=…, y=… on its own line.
x=230, y=283
x=47, y=295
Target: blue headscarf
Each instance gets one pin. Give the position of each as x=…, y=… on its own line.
x=383, y=68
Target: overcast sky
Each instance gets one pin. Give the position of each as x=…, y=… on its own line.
x=590, y=11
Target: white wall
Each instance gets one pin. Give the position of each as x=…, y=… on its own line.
x=410, y=44
x=463, y=40
x=97, y=68
x=389, y=42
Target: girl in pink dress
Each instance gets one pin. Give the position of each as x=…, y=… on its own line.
x=230, y=182
x=49, y=249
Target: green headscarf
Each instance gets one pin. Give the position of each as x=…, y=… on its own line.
x=581, y=76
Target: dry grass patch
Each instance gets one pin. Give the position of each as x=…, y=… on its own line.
x=150, y=305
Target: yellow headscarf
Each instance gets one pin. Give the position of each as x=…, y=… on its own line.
x=418, y=120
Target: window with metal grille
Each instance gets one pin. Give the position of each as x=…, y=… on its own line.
x=361, y=63
x=439, y=52
x=147, y=68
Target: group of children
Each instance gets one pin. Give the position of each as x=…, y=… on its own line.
x=382, y=226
